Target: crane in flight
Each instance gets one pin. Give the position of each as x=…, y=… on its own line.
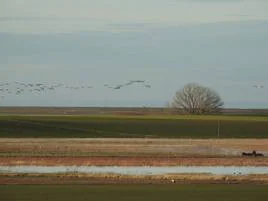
x=258, y=86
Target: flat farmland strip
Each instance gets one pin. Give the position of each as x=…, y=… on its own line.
x=114, y=127
x=123, y=192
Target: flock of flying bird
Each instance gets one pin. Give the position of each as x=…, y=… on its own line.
x=21, y=87
x=18, y=88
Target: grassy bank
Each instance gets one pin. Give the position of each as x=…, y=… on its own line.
x=134, y=126
x=134, y=192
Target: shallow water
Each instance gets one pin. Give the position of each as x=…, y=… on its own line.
x=137, y=170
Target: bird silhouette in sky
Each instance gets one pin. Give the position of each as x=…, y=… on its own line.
x=131, y=82
x=258, y=86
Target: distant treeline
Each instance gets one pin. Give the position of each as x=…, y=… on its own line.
x=116, y=111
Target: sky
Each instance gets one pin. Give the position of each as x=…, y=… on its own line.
x=87, y=48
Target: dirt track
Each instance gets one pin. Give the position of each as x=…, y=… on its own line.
x=132, y=161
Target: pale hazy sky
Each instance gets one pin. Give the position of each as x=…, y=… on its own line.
x=39, y=16
x=222, y=44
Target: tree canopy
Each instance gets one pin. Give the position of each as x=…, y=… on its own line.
x=197, y=99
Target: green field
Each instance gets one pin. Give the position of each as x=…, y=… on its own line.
x=133, y=126
x=134, y=192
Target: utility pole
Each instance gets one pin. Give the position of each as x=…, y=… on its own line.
x=219, y=126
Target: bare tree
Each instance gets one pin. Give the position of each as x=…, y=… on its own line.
x=196, y=99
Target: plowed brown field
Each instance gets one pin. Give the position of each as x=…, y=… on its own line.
x=132, y=152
